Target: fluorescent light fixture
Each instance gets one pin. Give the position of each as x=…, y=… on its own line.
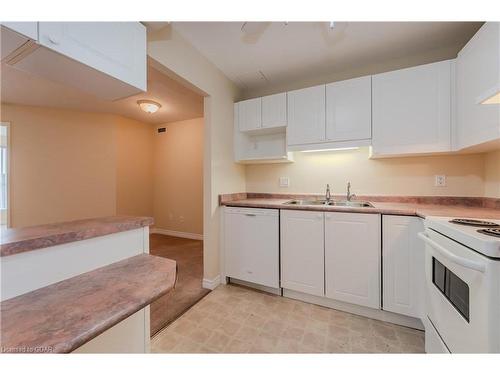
x=492, y=96
x=494, y=99
x=149, y=106
x=333, y=149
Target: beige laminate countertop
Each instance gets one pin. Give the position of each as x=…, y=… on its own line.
x=387, y=208
x=63, y=316
x=18, y=240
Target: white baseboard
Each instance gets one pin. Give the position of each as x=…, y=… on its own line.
x=211, y=283
x=168, y=232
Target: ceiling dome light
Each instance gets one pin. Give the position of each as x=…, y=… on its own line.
x=149, y=106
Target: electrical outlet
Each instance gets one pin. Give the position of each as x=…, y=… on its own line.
x=440, y=180
x=284, y=182
x=181, y=219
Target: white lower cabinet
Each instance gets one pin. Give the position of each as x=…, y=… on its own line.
x=402, y=265
x=352, y=258
x=302, y=251
x=251, y=245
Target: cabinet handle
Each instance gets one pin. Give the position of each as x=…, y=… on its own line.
x=53, y=39
x=464, y=262
x=250, y=215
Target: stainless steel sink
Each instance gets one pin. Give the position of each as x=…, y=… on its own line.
x=321, y=202
x=306, y=202
x=351, y=204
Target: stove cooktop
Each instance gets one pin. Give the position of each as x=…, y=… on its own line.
x=475, y=223
x=479, y=235
x=495, y=232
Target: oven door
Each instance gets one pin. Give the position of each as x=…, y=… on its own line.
x=462, y=295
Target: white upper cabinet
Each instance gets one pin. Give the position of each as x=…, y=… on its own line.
x=250, y=114
x=348, y=110
x=115, y=48
x=306, y=116
x=302, y=251
x=403, y=265
x=352, y=258
x=411, y=110
x=478, y=75
x=274, y=111
x=107, y=59
x=26, y=29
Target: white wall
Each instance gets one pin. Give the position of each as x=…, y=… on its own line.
x=175, y=55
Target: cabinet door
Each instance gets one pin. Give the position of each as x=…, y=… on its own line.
x=478, y=73
x=251, y=245
x=249, y=116
x=411, y=110
x=403, y=265
x=306, y=115
x=352, y=258
x=115, y=48
x=302, y=251
x=274, y=110
x=349, y=109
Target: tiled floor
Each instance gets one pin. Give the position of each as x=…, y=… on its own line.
x=234, y=319
x=189, y=257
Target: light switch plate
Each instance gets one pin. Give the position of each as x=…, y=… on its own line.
x=284, y=182
x=440, y=180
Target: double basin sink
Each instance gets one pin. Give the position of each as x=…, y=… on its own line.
x=323, y=202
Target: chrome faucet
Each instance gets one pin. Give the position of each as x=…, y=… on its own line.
x=328, y=195
x=349, y=195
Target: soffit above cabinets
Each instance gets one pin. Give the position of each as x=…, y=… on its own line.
x=300, y=50
x=178, y=102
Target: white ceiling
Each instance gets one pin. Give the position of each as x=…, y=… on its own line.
x=178, y=102
x=269, y=53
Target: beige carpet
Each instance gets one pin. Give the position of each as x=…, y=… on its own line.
x=189, y=257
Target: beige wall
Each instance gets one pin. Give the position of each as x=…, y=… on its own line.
x=221, y=174
x=134, y=167
x=401, y=176
x=178, y=170
x=68, y=165
x=492, y=174
x=62, y=165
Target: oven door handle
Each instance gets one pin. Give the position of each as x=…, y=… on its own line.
x=478, y=266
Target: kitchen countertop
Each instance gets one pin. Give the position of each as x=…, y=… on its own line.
x=61, y=317
x=405, y=206
x=18, y=240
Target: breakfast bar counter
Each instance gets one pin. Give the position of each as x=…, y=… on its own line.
x=63, y=316
x=18, y=240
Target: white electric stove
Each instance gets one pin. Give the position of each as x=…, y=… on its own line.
x=462, y=268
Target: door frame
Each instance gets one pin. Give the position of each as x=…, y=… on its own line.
x=9, y=153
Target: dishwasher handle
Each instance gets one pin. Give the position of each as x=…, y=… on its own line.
x=477, y=266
